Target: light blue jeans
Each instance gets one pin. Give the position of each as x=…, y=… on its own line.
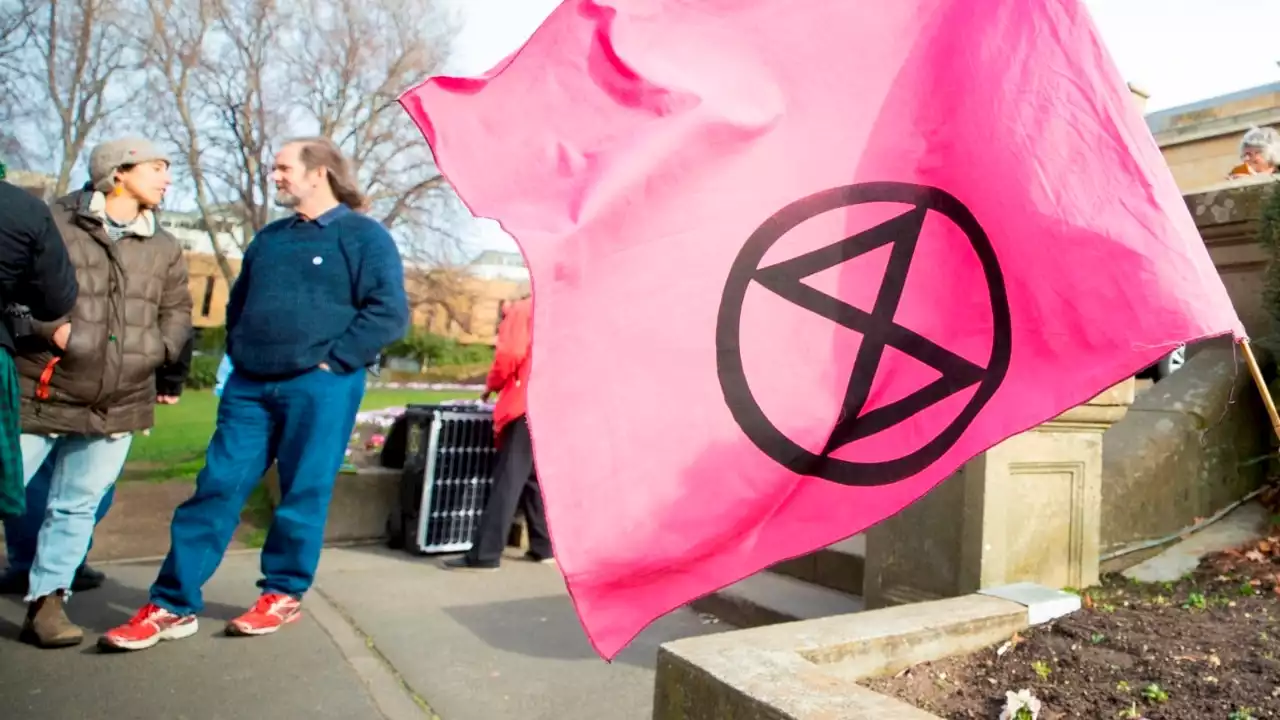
x=84, y=469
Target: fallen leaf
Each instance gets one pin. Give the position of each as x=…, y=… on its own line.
x=1264, y=546
x=1255, y=556
x=1086, y=601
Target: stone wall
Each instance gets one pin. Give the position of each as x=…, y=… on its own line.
x=1227, y=219
x=1188, y=447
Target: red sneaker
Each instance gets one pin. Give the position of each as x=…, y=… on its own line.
x=149, y=626
x=272, y=611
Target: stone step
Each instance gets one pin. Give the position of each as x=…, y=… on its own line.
x=838, y=567
x=769, y=598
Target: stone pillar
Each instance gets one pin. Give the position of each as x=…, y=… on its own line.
x=1028, y=510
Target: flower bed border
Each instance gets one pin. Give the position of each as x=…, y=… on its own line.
x=809, y=670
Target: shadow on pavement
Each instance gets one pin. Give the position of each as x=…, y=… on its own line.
x=547, y=628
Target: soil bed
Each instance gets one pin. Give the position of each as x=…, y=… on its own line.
x=1203, y=648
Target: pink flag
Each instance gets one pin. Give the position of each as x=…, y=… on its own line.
x=796, y=262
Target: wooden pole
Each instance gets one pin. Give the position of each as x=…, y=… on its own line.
x=1262, y=386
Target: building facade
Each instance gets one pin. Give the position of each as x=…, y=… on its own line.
x=1201, y=141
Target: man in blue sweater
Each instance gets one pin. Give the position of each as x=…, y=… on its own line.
x=319, y=295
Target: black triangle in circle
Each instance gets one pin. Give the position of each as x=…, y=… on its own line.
x=785, y=279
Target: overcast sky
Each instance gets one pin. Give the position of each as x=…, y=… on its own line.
x=1181, y=51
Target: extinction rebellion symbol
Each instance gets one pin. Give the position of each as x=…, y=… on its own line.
x=877, y=327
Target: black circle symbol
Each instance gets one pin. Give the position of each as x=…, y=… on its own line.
x=877, y=327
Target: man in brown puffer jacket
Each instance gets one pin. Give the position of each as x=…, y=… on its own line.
x=88, y=380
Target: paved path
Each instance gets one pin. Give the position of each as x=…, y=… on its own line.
x=471, y=647
x=495, y=646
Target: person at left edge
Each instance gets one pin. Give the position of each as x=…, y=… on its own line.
x=20, y=533
x=320, y=294
x=88, y=379
x=36, y=275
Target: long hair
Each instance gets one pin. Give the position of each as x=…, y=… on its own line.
x=321, y=152
x=1265, y=139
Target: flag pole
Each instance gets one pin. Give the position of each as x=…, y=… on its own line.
x=1262, y=386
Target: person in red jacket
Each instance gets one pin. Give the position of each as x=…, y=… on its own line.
x=515, y=482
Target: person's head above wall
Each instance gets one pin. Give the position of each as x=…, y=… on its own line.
x=1260, y=150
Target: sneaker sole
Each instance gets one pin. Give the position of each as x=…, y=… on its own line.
x=177, y=632
x=235, y=630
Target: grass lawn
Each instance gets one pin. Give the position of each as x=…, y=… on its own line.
x=175, y=448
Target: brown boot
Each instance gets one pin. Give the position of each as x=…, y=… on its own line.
x=47, y=625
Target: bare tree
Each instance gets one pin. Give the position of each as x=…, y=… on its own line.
x=241, y=76
x=81, y=50
x=174, y=39
x=14, y=42
x=209, y=63
x=247, y=94
x=352, y=60
x=14, y=18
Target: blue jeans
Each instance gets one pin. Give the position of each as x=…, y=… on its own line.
x=20, y=532
x=303, y=424
x=84, y=469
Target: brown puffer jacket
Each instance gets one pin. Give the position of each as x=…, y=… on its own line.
x=133, y=314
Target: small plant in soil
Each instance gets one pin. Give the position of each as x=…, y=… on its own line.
x=1242, y=714
x=1041, y=669
x=1130, y=713
x=1155, y=693
x=1195, y=601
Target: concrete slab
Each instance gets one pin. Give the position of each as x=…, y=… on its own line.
x=1043, y=604
x=768, y=598
x=1245, y=524
x=494, y=646
x=297, y=673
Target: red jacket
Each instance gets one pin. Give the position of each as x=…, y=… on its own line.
x=509, y=376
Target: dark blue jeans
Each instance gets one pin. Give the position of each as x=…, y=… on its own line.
x=303, y=424
x=20, y=533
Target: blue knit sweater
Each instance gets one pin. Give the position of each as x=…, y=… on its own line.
x=329, y=290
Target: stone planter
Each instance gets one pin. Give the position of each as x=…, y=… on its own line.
x=362, y=502
x=810, y=670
